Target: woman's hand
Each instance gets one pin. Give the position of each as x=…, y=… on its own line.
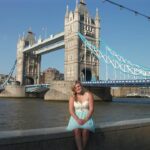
x=81, y=121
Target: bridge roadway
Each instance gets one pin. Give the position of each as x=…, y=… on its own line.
x=38, y=88
x=53, y=43
x=118, y=83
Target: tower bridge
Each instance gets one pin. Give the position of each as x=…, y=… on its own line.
x=83, y=53
x=80, y=64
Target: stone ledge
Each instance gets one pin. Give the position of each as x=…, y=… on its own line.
x=109, y=135
x=19, y=136
x=125, y=124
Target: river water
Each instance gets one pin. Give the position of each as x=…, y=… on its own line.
x=36, y=113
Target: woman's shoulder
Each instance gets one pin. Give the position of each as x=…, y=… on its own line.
x=88, y=93
x=72, y=98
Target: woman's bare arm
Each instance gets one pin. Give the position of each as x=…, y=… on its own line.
x=91, y=106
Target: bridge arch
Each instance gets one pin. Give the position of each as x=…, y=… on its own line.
x=29, y=80
x=86, y=74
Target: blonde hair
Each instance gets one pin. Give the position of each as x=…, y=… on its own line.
x=73, y=89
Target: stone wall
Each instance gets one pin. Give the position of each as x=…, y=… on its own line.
x=101, y=93
x=124, y=91
x=13, y=91
x=61, y=90
x=122, y=135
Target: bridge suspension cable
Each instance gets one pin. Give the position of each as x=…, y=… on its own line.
x=9, y=75
x=129, y=9
x=118, y=62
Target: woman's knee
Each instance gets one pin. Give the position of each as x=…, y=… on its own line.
x=77, y=131
x=85, y=132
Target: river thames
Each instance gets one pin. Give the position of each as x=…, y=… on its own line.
x=36, y=113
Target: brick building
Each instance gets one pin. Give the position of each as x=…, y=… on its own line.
x=51, y=74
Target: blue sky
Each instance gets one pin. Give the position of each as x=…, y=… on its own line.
x=127, y=34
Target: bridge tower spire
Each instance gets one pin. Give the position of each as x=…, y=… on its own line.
x=82, y=1
x=80, y=63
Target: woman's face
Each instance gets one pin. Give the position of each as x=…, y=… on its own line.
x=78, y=88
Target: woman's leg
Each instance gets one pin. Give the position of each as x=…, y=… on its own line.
x=78, y=138
x=85, y=137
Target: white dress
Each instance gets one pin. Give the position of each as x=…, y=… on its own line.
x=81, y=110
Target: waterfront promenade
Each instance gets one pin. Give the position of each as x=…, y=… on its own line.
x=120, y=135
x=29, y=124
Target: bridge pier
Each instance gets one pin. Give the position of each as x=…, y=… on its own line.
x=61, y=90
x=15, y=91
x=100, y=93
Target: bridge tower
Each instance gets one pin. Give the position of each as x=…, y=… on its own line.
x=28, y=63
x=80, y=63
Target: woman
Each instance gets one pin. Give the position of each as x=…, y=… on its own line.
x=81, y=107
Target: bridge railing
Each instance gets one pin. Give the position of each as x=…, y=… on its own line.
x=118, y=83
